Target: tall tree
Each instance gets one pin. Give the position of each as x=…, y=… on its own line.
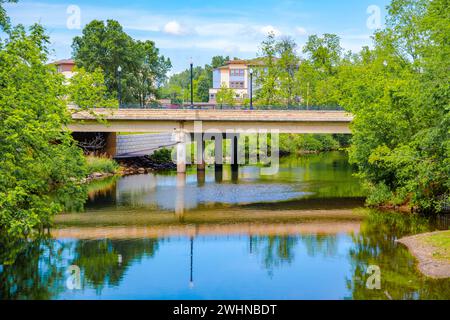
x=108, y=47
x=37, y=157
x=288, y=64
x=399, y=93
x=267, y=77
x=4, y=20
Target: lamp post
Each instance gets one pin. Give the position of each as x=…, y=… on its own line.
x=251, y=89
x=119, y=85
x=307, y=96
x=192, y=83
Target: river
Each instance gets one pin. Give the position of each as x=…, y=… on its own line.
x=300, y=234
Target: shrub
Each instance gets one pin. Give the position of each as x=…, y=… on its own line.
x=101, y=164
x=161, y=156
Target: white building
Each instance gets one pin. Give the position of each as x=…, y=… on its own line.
x=235, y=74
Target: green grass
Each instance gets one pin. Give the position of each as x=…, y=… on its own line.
x=441, y=242
x=101, y=165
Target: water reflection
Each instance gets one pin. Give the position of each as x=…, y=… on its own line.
x=299, y=178
x=298, y=235
x=244, y=266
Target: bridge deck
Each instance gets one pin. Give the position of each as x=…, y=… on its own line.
x=162, y=120
x=218, y=115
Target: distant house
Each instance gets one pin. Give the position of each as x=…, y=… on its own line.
x=65, y=67
x=235, y=74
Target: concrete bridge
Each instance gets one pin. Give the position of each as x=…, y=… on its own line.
x=155, y=120
x=214, y=123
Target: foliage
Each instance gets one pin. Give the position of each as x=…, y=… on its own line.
x=107, y=46
x=87, y=90
x=286, y=79
x=101, y=164
x=399, y=93
x=225, y=96
x=161, y=156
x=178, y=88
x=294, y=143
x=4, y=20
x=37, y=158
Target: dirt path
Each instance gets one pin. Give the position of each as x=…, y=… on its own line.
x=424, y=252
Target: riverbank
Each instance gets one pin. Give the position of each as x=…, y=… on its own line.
x=104, y=167
x=432, y=250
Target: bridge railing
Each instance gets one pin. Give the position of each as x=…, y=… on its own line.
x=226, y=107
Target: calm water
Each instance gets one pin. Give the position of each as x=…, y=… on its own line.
x=301, y=234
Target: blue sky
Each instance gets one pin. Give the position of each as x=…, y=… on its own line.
x=202, y=29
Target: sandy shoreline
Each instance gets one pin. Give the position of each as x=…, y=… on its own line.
x=427, y=263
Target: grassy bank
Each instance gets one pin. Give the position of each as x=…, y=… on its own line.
x=441, y=243
x=102, y=165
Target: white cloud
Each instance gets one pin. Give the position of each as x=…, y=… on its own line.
x=301, y=31
x=265, y=30
x=175, y=28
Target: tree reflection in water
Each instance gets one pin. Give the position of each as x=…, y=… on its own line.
x=274, y=250
x=32, y=269
x=376, y=245
x=37, y=269
x=104, y=262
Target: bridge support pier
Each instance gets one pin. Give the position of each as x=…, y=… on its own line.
x=200, y=153
x=181, y=151
x=218, y=157
x=218, y=151
x=111, y=144
x=234, y=152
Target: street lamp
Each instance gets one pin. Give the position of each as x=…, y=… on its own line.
x=251, y=88
x=119, y=85
x=192, y=81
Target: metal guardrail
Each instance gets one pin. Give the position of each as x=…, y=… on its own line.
x=224, y=107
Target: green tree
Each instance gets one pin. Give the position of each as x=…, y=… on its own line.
x=4, y=20
x=225, y=96
x=145, y=82
x=178, y=86
x=37, y=157
x=87, y=90
x=399, y=93
x=107, y=46
x=325, y=52
x=204, y=83
x=287, y=64
x=268, y=76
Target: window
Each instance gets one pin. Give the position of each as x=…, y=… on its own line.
x=237, y=84
x=237, y=72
